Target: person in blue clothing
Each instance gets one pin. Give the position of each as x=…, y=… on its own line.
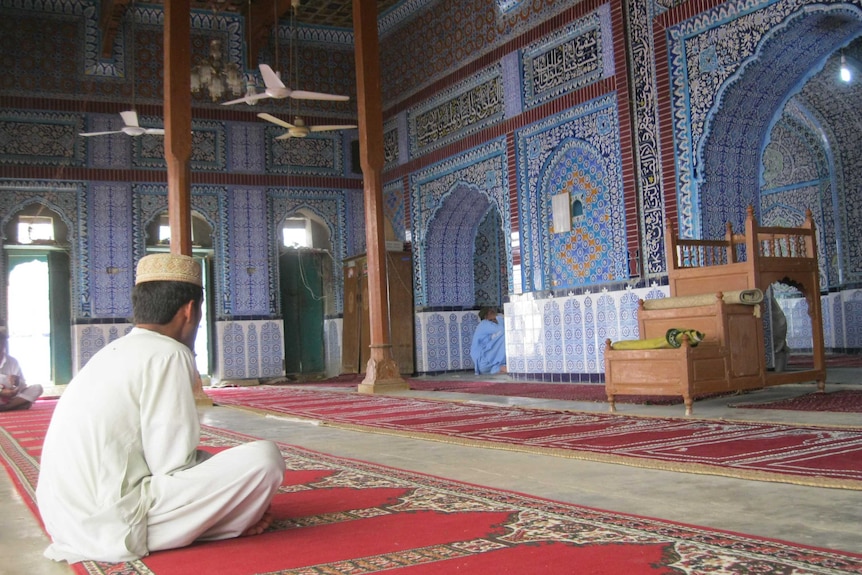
x=488, y=349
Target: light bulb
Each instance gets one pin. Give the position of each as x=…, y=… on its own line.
x=845, y=70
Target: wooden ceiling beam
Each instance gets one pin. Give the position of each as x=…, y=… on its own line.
x=111, y=15
x=259, y=25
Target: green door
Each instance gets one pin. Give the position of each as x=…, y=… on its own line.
x=61, y=317
x=300, y=275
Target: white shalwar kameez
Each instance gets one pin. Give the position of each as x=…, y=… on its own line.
x=120, y=473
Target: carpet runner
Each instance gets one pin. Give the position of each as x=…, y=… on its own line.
x=556, y=391
x=842, y=401
x=337, y=516
x=804, y=455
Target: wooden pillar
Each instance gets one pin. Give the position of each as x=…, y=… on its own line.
x=382, y=373
x=178, y=122
x=178, y=135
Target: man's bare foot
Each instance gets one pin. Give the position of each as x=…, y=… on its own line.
x=260, y=526
x=503, y=369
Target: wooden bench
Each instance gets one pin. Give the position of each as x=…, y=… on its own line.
x=735, y=336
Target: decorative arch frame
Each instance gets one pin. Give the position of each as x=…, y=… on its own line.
x=725, y=89
x=483, y=168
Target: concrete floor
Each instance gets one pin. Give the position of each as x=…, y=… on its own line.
x=829, y=518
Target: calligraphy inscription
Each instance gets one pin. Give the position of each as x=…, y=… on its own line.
x=471, y=109
x=554, y=68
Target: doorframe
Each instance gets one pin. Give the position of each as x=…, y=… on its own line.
x=60, y=312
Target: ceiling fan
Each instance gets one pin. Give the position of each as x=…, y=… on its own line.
x=131, y=127
x=276, y=89
x=298, y=129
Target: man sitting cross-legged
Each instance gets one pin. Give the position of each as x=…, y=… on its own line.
x=121, y=475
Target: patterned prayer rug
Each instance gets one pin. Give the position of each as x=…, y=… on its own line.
x=832, y=360
x=336, y=516
x=558, y=391
x=804, y=455
x=843, y=401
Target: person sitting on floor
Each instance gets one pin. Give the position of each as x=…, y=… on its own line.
x=14, y=391
x=121, y=474
x=488, y=350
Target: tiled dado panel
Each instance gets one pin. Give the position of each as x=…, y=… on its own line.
x=90, y=338
x=842, y=321
x=332, y=332
x=566, y=335
x=443, y=340
x=249, y=349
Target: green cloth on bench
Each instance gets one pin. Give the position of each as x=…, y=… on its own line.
x=673, y=339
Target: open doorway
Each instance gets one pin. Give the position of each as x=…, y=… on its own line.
x=38, y=296
x=29, y=317
x=307, y=290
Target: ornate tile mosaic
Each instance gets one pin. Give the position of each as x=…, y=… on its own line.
x=394, y=208
x=730, y=70
x=245, y=144
x=644, y=106
x=68, y=201
x=566, y=335
x=478, y=173
x=36, y=138
x=317, y=154
x=576, y=152
x=488, y=262
x=111, y=261
x=249, y=290
x=576, y=55
x=457, y=112
x=208, y=147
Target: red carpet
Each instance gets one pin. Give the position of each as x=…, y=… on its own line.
x=558, y=391
x=337, y=516
x=843, y=401
x=825, y=457
x=832, y=360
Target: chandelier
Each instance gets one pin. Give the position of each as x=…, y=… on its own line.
x=215, y=77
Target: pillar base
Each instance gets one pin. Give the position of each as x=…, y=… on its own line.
x=382, y=376
x=201, y=398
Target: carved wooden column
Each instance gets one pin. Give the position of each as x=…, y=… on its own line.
x=178, y=122
x=178, y=135
x=382, y=373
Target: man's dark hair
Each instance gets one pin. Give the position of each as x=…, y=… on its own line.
x=157, y=302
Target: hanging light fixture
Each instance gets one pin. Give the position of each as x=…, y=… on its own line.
x=215, y=77
x=845, y=74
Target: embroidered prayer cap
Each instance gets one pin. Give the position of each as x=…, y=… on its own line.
x=169, y=268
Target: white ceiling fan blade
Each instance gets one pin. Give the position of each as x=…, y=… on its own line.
x=284, y=136
x=130, y=118
x=88, y=134
x=247, y=99
x=274, y=120
x=155, y=131
x=306, y=95
x=270, y=78
x=330, y=128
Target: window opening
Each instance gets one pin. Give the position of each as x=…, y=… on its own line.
x=34, y=229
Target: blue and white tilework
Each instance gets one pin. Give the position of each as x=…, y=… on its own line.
x=249, y=349
x=566, y=335
x=111, y=255
x=575, y=152
x=90, y=338
x=730, y=71
x=249, y=253
x=477, y=177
